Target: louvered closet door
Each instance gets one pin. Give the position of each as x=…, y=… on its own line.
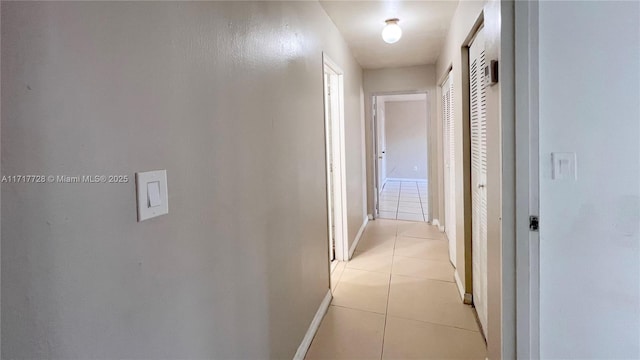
x=449, y=166
x=478, y=176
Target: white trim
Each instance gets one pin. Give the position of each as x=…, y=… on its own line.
x=466, y=298
x=340, y=187
x=375, y=189
x=313, y=327
x=459, y=284
x=406, y=179
x=370, y=216
x=358, y=236
x=507, y=116
x=527, y=261
x=436, y=222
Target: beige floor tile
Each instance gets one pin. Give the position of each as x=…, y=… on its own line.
x=426, y=249
x=408, y=204
x=348, y=334
x=425, y=269
x=362, y=290
x=410, y=339
x=409, y=216
x=373, y=242
x=432, y=301
x=387, y=204
x=412, y=199
x=387, y=214
x=409, y=189
x=410, y=210
x=381, y=227
x=420, y=230
x=378, y=261
x=337, y=273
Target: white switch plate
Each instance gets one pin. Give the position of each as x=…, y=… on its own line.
x=564, y=166
x=152, y=195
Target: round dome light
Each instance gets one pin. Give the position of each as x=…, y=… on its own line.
x=391, y=32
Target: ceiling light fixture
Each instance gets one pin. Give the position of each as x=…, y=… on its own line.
x=391, y=32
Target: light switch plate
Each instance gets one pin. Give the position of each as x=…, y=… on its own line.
x=564, y=166
x=152, y=194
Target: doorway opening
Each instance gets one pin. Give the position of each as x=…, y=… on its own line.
x=335, y=161
x=401, y=138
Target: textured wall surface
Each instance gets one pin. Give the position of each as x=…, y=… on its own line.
x=406, y=133
x=590, y=225
x=227, y=97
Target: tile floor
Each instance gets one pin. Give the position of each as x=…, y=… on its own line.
x=397, y=299
x=404, y=200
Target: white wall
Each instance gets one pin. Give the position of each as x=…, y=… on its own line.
x=589, y=227
x=393, y=80
x=227, y=97
x=406, y=138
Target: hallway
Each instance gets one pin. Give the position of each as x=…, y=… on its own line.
x=397, y=299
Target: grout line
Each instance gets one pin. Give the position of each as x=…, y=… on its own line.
x=413, y=277
x=423, y=259
x=421, y=207
x=423, y=238
x=352, y=308
x=398, y=203
x=339, y=278
x=386, y=312
x=434, y=323
x=371, y=271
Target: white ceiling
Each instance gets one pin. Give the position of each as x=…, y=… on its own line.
x=424, y=26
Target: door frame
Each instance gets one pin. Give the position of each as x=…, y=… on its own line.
x=374, y=144
x=374, y=148
x=527, y=252
x=338, y=154
x=478, y=188
x=502, y=282
x=446, y=223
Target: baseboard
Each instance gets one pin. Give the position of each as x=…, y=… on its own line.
x=358, y=236
x=313, y=328
x=436, y=222
x=406, y=179
x=466, y=297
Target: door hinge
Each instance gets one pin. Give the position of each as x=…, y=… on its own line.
x=534, y=223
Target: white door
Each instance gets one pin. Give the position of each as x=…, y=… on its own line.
x=381, y=144
x=449, y=166
x=330, y=166
x=336, y=182
x=478, y=125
